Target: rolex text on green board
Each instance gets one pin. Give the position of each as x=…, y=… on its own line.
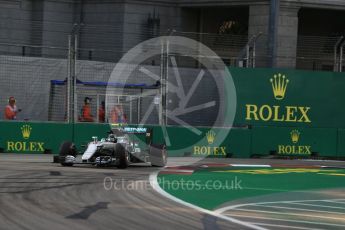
x=278, y=113
x=208, y=149
x=294, y=148
x=22, y=144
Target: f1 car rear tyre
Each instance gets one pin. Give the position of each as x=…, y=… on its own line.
x=123, y=156
x=66, y=148
x=158, y=155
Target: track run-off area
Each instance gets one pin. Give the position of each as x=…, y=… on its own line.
x=280, y=195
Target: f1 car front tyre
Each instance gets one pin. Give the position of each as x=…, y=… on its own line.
x=158, y=155
x=67, y=148
x=122, y=154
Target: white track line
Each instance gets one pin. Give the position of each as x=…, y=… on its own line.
x=252, y=166
x=286, y=220
x=155, y=186
x=178, y=170
x=317, y=205
x=299, y=209
x=289, y=214
x=335, y=201
x=224, y=209
x=285, y=226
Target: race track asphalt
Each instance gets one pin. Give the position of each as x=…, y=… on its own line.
x=37, y=194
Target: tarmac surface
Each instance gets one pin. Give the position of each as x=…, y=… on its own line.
x=37, y=194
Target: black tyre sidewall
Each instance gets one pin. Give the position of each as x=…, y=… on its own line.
x=66, y=148
x=120, y=151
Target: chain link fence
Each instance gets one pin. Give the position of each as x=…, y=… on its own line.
x=51, y=83
x=27, y=78
x=318, y=53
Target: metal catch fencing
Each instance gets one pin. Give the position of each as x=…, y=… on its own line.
x=50, y=83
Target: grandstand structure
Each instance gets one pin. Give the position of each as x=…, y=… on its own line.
x=107, y=27
x=41, y=41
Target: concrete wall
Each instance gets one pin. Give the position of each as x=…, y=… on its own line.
x=287, y=37
x=57, y=17
x=108, y=28
x=15, y=24
x=136, y=17
x=258, y=23
x=102, y=29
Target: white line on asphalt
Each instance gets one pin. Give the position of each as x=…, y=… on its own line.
x=335, y=201
x=226, y=208
x=286, y=220
x=299, y=209
x=317, y=205
x=178, y=170
x=285, y=226
x=289, y=214
x=155, y=186
x=247, y=165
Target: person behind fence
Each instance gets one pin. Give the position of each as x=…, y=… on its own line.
x=101, y=112
x=11, y=109
x=117, y=115
x=86, y=115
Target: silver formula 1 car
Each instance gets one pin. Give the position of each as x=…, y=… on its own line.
x=118, y=149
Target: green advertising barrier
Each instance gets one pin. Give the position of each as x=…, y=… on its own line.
x=341, y=143
x=290, y=112
x=294, y=141
x=33, y=137
x=217, y=142
x=289, y=98
x=24, y=137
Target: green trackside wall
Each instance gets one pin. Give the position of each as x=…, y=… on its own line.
x=38, y=138
x=45, y=136
x=321, y=94
x=14, y=138
x=309, y=117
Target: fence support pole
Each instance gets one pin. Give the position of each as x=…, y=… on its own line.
x=254, y=49
x=341, y=56
x=69, y=80
x=166, y=84
x=160, y=115
x=247, y=55
x=335, y=65
x=74, y=80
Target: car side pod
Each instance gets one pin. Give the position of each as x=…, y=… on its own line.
x=158, y=155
